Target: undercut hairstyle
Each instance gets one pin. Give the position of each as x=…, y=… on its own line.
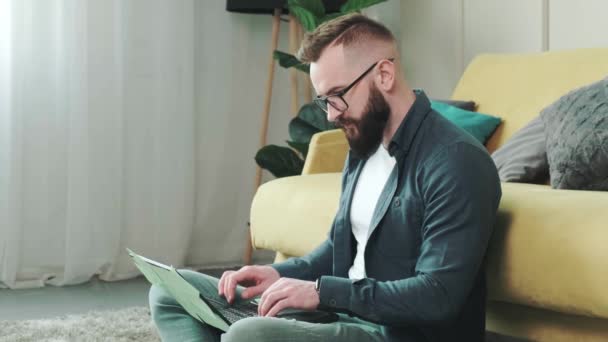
x=347, y=30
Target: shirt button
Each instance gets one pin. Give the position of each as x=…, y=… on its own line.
x=332, y=302
x=397, y=202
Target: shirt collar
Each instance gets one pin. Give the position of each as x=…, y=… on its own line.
x=403, y=137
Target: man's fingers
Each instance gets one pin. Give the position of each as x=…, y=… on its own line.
x=277, y=307
x=244, y=274
x=224, y=282
x=230, y=288
x=271, y=299
x=220, y=285
x=277, y=285
x=253, y=291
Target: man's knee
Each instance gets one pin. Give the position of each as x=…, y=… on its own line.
x=255, y=329
x=159, y=298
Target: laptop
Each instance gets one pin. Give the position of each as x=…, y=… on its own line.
x=211, y=310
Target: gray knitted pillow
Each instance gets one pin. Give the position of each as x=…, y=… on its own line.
x=576, y=129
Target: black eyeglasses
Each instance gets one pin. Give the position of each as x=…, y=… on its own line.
x=337, y=100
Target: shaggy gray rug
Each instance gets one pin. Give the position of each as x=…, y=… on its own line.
x=130, y=324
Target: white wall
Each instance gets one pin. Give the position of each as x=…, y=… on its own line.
x=231, y=52
x=440, y=37
x=431, y=43
x=575, y=24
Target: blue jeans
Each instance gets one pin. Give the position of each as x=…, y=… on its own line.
x=175, y=324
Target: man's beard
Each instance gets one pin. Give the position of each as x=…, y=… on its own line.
x=365, y=135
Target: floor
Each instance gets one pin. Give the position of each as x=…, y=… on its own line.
x=52, y=301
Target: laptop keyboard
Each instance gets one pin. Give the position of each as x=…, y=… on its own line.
x=233, y=312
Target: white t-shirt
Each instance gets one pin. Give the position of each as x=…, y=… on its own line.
x=369, y=186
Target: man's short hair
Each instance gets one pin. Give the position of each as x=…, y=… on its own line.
x=347, y=30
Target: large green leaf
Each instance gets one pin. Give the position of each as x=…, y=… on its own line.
x=280, y=161
x=310, y=120
x=300, y=147
x=301, y=131
x=305, y=16
x=288, y=61
x=357, y=5
x=315, y=7
x=315, y=116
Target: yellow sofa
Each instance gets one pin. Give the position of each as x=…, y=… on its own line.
x=548, y=259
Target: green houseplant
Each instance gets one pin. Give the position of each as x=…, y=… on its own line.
x=283, y=161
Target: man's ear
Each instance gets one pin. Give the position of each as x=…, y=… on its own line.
x=385, y=79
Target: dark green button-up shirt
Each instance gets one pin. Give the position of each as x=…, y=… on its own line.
x=430, y=230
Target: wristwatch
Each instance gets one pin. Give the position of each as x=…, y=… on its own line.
x=318, y=286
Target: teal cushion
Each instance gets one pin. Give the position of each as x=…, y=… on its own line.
x=479, y=125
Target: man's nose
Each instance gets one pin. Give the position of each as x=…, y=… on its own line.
x=332, y=113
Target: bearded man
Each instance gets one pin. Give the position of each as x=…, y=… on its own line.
x=404, y=258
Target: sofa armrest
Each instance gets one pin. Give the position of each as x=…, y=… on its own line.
x=550, y=250
x=326, y=152
x=293, y=215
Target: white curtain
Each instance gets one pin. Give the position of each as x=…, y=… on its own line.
x=131, y=124
x=97, y=137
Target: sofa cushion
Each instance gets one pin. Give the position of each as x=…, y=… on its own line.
x=481, y=126
x=576, y=127
x=523, y=158
x=466, y=105
x=518, y=86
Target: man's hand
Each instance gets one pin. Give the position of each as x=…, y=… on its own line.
x=256, y=278
x=288, y=293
